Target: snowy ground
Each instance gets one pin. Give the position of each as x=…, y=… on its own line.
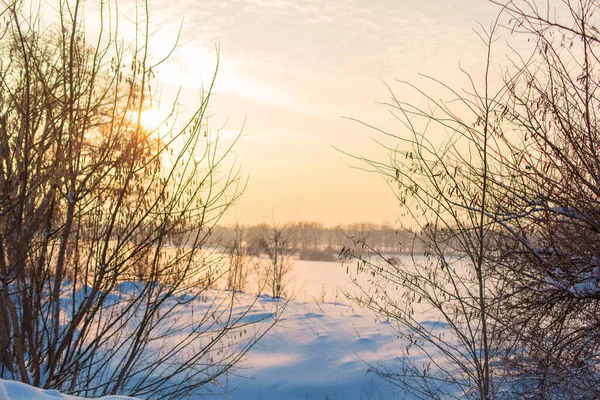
x=320, y=349
x=316, y=351
x=10, y=390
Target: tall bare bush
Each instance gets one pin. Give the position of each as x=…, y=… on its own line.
x=279, y=244
x=90, y=199
x=507, y=205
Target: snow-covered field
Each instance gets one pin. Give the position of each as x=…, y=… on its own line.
x=317, y=351
x=320, y=348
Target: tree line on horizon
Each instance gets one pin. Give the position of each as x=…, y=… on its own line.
x=313, y=239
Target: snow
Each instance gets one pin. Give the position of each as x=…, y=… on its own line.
x=579, y=284
x=321, y=347
x=10, y=390
x=317, y=350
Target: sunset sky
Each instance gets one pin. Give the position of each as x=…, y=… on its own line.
x=293, y=70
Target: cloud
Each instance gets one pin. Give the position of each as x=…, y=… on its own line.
x=196, y=68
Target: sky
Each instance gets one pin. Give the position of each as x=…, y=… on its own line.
x=294, y=75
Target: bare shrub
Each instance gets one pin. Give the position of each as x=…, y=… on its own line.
x=279, y=244
x=507, y=208
x=241, y=263
x=92, y=289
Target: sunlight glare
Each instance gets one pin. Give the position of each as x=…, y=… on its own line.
x=151, y=120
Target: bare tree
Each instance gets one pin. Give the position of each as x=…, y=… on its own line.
x=90, y=199
x=507, y=206
x=279, y=244
x=443, y=188
x=241, y=263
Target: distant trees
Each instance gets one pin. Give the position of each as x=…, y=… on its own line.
x=504, y=185
x=264, y=254
x=315, y=237
x=91, y=199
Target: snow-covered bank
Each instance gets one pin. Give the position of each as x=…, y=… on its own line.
x=10, y=390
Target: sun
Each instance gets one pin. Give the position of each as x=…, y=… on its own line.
x=151, y=120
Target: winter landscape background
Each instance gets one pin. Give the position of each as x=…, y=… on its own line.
x=161, y=161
